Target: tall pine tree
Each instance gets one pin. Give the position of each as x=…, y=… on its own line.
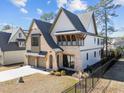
x=105, y=10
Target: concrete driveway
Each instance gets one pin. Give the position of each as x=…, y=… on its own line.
x=19, y=72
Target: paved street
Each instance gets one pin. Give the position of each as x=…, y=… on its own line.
x=19, y=72
x=113, y=79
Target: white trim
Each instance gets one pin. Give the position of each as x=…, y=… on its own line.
x=71, y=32
x=34, y=54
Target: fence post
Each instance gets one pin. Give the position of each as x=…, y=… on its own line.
x=85, y=85
x=92, y=82
x=75, y=88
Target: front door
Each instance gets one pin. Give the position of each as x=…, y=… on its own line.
x=50, y=61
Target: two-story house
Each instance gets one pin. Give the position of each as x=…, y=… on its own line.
x=71, y=42
x=12, y=46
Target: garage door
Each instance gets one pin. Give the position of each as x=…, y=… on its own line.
x=31, y=61
x=41, y=63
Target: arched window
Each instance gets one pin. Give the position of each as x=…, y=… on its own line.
x=87, y=56
x=94, y=53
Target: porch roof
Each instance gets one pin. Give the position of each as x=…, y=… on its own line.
x=36, y=54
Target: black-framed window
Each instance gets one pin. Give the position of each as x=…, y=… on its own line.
x=87, y=56
x=35, y=41
x=97, y=41
x=94, y=40
x=94, y=53
x=68, y=61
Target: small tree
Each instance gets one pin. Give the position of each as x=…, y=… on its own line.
x=48, y=17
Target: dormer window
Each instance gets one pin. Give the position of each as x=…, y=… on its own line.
x=97, y=41
x=21, y=43
x=20, y=35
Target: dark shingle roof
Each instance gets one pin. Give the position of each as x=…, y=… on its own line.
x=5, y=46
x=45, y=28
x=40, y=53
x=75, y=20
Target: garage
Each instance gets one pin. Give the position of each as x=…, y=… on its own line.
x=31, y=61
x=41, y=63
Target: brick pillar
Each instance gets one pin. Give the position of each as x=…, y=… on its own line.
x=36, y=60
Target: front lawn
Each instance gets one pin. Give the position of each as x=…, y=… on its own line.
x=38, y=83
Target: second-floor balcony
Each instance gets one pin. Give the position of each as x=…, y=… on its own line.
x=70, y=40
x=71, y=43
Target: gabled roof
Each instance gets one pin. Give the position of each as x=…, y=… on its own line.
x=45, y=28
x=73, y=18
x=14, y=31
x=86, y=19
x=5, y=46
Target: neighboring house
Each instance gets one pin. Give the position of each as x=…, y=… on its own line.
x=71, y=42
x=115, y=42
x=12, y=47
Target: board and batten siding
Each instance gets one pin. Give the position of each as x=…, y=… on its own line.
x=91, y=58
x=12, y=57
x=16, y=36
x=63, y=24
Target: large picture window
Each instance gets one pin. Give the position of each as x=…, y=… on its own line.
x=35, y=41
x=68, y=61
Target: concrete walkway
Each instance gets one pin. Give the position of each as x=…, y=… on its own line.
x=113, y=80
x=19, y=72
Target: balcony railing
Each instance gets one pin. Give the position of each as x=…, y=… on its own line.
x=71, y=43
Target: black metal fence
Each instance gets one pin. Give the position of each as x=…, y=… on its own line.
x=87, y=84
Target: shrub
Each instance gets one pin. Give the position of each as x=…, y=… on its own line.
x=52, y=72
x=57, y=73
x=63, y=73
